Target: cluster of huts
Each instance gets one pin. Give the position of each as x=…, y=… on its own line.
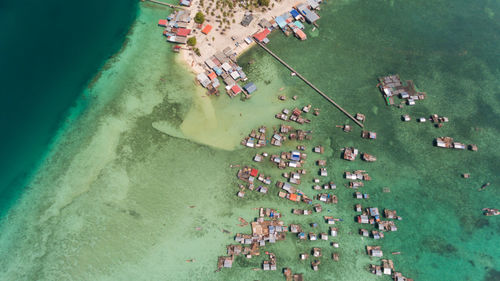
x=268, y=228
x=391, y=86
x=223, y=64
x=256, y=139
x=286, y=132
x=357, y=175
x=263, y=231
x=175, y=26
x=448, y=142
x=249, y=175
x=294, y=115
x=386, y=267
x=350, y=154
x=289, y=22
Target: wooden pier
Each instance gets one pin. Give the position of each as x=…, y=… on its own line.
x=311, y=85
x=164, y=4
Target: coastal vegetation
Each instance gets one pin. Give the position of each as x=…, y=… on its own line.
x=263, y=2
x=191, y=41
x=199, y=18
x=223, y=11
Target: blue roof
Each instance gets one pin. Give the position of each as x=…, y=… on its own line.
x=250, y=87
x=217, y=70
x=299, y=24
x=294, y=13
x=280, y=21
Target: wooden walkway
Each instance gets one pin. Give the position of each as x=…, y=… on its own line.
x=311, y=85
x=164, y=4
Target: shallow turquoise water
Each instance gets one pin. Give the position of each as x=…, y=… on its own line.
x=442, y=47
x=112, y=200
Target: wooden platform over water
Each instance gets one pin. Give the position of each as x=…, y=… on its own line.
x=311, y=85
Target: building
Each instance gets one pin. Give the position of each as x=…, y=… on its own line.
x=250, y=88
x=206, y=29
x=247, y=19
x=183, y=32
x=163, y=23
x=236, y=90
x=300, y=34
x=203, y=79
x=314, y=4
x=310, y=16
x=260, y=36
x=281, y=22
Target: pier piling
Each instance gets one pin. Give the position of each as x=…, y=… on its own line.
x=311, y=85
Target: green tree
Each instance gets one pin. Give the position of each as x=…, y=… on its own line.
x=191, y=41
x=263, y=2
x=199, y=18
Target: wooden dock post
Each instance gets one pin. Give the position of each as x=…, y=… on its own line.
x=311, y=85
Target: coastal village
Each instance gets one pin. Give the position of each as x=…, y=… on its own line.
x=221, y=67
x=291, y=148
x=316, y=199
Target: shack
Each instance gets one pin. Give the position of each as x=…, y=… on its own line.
x=247, y=19
x=310, y=16
x=250, y=88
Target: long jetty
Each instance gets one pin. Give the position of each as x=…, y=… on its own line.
x=311, y=85
x=164, y=4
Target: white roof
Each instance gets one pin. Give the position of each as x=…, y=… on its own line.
x=235, y=75
x=226, y=66
x=210, y=63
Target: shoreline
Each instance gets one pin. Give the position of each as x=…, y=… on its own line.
x=233, y=38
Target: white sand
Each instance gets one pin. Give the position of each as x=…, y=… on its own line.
x=209, y=46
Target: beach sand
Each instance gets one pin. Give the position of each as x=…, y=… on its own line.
x=215, y=41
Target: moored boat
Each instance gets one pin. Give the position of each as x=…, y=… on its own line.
x=368, y=157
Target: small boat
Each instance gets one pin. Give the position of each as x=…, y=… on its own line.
x=491, y=212
x=484, y=186
x=368, y=157
x=191, y=260
x=396, y=253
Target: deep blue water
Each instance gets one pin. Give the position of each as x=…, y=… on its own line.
x=49, y=52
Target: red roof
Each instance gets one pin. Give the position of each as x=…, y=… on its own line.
x=293, y=197
x=162, y=22
x=212, y=75
x=183, y=32
x=236, y=90
x=206, y=29
x=301, y=34
x=260, y=36
x=254, y=172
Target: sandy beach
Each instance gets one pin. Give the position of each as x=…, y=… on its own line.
x=215, y=41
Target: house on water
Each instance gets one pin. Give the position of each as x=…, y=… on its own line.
x=310, y=16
